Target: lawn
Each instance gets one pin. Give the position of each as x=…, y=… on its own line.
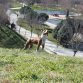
x=10, y=39
x=19, y=66
x=15, y=4
x=38, y=7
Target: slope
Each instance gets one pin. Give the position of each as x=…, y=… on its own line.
x=10, y=39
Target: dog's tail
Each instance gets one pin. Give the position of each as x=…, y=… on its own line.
x=27, y=43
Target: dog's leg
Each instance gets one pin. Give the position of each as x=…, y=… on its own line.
x=42, y=47
x=31, y=45
x=37, y=47
x=25, y=45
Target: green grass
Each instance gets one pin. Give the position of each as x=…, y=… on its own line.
x=10, y=39
x=15, y=10
x=19, y=66
x=16, y=5
x=38, y=7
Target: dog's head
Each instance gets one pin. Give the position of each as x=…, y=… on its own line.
x=45, y=32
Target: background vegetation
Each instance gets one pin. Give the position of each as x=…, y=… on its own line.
x=15, y=4
x=63, y=32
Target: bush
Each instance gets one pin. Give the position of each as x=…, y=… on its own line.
x=24, y=9
x=32, y=14
x=63, y=32
x=56, y=29
x=44, y=16
x=12, y=26
x=63, y=35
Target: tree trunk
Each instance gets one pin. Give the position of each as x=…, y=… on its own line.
x=75, y=51
x=31, y=30
x=31, y=33
x=19, y=29
x=67, y=14
x=25, y=32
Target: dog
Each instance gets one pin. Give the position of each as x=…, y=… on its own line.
x=37, y=40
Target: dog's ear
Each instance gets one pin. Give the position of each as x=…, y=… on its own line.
x=42, y=30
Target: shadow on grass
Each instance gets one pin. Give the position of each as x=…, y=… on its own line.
x=11, y=39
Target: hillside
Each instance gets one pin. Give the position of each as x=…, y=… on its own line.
x=10, y=39
x=22, y=66
x=19, y=66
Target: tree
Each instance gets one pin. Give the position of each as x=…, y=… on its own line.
x=66, y=6
x=42, y=17
x=20, y=1
x=3, y=18
x=79, y=8
x=4, y=5
x=13, y=26
x=57, y=28
x=31, y=17
x=69, y=33
x=61, y=32
x=76, y=41
x=30, y=2
x=25, y=9
x=47, y=4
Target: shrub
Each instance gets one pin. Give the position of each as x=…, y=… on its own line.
x=43, y=15
x=12, y=26
x=65, y=30
x=24, y=9
x=56, y=29
x=63, y=35
x=32, y=14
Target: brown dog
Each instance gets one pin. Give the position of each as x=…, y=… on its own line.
x=37, y=40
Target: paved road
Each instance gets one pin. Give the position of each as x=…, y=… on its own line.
x=50, y=24
x=50, y=47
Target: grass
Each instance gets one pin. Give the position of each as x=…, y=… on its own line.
x=19, y=66
x=15, y=4
x=55, y=8
x=38, y=7
x=15, y=10
x=10, y=39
